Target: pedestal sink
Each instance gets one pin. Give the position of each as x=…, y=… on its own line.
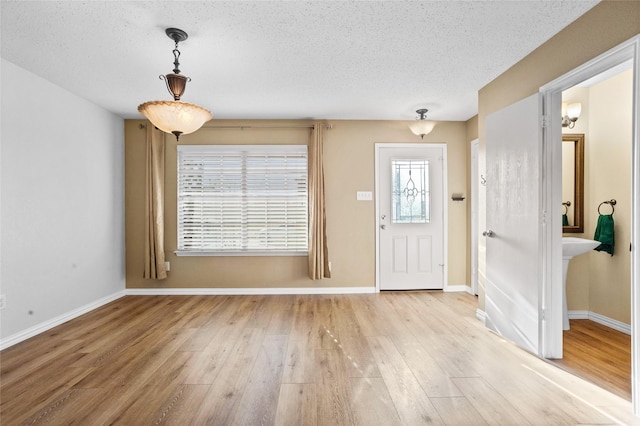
x=571, y=247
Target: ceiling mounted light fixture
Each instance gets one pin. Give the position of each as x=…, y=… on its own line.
x=422, y=126
x=177, y=117
x=570, y=114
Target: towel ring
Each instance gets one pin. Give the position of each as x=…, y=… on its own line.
x=566, y=206
x=611, y=203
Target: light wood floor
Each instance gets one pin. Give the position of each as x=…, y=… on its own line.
x=375, y=359
x=599, y=354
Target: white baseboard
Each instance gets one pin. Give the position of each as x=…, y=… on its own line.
x=60, y=319
x=601, y=319
x=578, y=314
x=481, y=315
x=247, y=291
x=457, y=288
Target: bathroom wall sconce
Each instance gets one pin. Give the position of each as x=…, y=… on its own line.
x=422, y=126
x=570, y=114
x=457, y=197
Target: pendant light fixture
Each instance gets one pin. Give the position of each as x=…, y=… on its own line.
x=177, y=117
x=422, y=126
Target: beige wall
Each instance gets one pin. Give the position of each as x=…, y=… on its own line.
x=610, y=177
x=349, y=167
x=605, y=26
x=596, y=281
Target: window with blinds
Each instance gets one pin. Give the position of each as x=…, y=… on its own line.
x=242, y=199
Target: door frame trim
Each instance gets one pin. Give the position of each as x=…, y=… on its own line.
x=445, y=203
x=552, y=95
x=474, y=221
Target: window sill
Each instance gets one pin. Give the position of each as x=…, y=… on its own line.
x=203, y=253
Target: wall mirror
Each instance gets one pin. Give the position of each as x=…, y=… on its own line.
x=573, y=183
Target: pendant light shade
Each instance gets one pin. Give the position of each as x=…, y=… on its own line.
x=422, y=126
x=179, y=118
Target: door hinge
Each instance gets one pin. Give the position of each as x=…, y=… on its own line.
x=543, y=314
x=544, y=121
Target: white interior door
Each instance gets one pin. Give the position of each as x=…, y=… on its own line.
x=513, y=220
x=411, y=223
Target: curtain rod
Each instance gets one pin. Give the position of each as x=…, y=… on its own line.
x=308, y=126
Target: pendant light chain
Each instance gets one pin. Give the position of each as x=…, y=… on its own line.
x=176, y=56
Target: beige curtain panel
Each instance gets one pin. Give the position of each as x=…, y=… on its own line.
x=318, y=249
x=154, y=268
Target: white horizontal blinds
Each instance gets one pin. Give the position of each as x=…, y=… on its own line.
x=242, y=198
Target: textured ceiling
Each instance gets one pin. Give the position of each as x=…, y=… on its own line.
x=273, y=59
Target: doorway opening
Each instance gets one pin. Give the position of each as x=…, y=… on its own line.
x=552, y=188
x=596, y=342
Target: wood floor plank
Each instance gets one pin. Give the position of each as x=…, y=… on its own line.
x=262, y=311
x=181, y=406
x=66, y=409
x=457, y=411
x=297, y=405
x=492, y=406
x=346, y=321
x=370, y=321
x=260, y=397
x=434, y=380
x=413, y=405
x=282, y=315
x=333, y=390
x=325, y=323
x=107, y=317
x=13, y=369
x=372, y=403
x=176, y=370
x=223, y=399
x=356, y=356
x=171, y=405
x=39, y=395
x=137, y=363
x=300, y=365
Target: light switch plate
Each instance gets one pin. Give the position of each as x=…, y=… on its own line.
x=364, y=195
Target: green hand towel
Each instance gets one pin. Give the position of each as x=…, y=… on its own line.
x=604, y=233
x=565, y=220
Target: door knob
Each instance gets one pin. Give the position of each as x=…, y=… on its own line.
x=489, y=233
x=383, y=226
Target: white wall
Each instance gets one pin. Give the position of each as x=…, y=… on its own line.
x=62, y=204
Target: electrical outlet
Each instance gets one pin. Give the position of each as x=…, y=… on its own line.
x=3, y=301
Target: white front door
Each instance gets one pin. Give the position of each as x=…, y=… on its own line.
x=410, y=204
x=514, y=222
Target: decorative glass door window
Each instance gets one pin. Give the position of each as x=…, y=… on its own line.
x=410, y=191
